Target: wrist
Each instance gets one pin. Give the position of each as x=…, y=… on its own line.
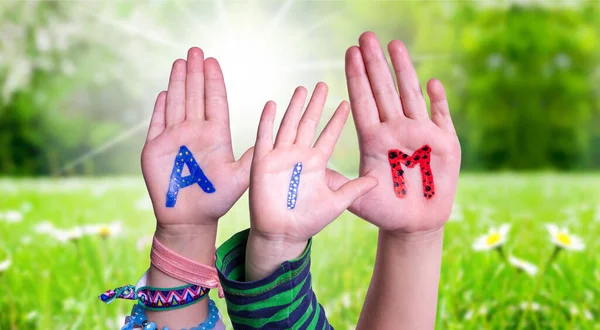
x=195, y=242
x=423, y=236
x=265, y=253
x=422, y=245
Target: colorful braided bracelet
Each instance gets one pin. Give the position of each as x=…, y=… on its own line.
x=158, y=299
x=138, y=318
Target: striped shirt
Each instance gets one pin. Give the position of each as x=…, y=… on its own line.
x=283, y=300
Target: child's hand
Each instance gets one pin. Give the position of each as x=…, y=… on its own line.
x=387, y=123
x=189, y=169
x=290, y=203
x=192, y=113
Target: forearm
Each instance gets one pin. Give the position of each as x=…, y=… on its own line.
x=198, y=244
x=404, y=287
x=283, y=299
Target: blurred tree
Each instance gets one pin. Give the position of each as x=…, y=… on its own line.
x=65, y=88
x=528, y=93
x=86, y=74
x=519, y=75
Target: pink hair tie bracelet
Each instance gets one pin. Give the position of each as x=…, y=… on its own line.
x=184, y=269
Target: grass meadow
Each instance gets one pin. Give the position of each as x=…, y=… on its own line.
x=53, y=284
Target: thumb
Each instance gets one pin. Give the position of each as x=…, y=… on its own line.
x=335, y=179
x=353, y=189
x=243, y=171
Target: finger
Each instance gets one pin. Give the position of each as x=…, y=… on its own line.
x=382, y=83
x=413, y=102
x=330, y=134
x=194, y=84
x=440, y=112
x=352, y=190
x=243, y=172
x=264, y=136
x=310, y=119
x=335, y=179
x=176, y=94
x=157, y=123
x=364, y=108
x=289, y=124
x=216, y=107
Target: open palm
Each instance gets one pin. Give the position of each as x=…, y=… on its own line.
x=193, y=113
x=315, y=204
x=386, y=120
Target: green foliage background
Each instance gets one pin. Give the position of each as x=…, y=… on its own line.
x=54, y=285
x=522, y=78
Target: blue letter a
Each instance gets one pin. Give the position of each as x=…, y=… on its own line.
x=196, y=176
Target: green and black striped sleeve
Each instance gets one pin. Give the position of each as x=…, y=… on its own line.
x=283, y=300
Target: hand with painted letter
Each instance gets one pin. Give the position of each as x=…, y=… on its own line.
x=291, y=198
x=188, y=161
x=415, y=158
x=190, y=171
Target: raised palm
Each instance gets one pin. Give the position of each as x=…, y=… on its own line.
x=273, y=213
x=387, y=120
x=193, y=113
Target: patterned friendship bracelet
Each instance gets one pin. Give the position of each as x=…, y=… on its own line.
x=138, y=318
x=158, y=299
x=173, y=298
x=122, y=292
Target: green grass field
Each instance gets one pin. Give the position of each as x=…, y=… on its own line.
x=54, y=285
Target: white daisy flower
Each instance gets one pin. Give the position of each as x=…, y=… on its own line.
x=573, y=310
x=469, y=314
x=11, y=216
x=483, y=310
x=588, y=315
x=104, y=230
x=73, y=234
x=91, y=229
x=531, y=305
x=45, y=227
x=4, y=265
x=523, y=265
x=61, y=235
x=563, y=239
x=31, y=316
x=495, y=238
